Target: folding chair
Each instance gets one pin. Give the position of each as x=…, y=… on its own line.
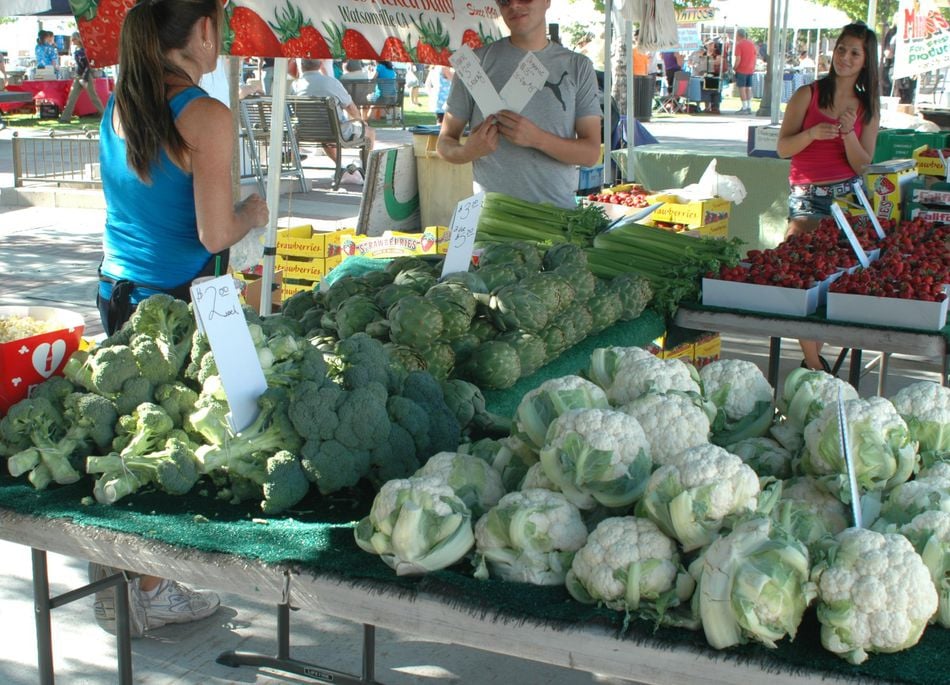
x=316, y=123
x=675, y=101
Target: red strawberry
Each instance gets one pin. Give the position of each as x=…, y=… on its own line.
x=299, y=37
x=433, y=46
x=883, y=186
x=99, y=25
x=471, y=39
x=249, y=35
x=427, y=241
x=394, y=50
x=426, y=54
x=348, y=43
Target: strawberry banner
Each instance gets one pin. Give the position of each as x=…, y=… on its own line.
x=421, y=31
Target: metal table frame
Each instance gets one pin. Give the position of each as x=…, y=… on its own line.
x=586, y=647
x=885, y=340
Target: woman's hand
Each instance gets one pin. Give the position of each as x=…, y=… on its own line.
x=253, y=209
x=824, y=131
x=846, y=121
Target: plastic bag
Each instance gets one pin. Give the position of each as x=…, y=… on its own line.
x=714, y=184
x=248, y=251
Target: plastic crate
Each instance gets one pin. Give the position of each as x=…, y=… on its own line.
x=590, y=178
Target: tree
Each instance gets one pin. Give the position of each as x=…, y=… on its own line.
x=678, y=4
x=858, y=10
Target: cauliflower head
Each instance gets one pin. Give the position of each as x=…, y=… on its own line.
x=530, y=536
x=875, y=594
x=929, y=491
x=880, y=443
x=806, y=393
x=471, y=478
x=625, y=561
x=597, y=456
x=607, y=363
x=766, y=456
x=929, y=533
x=671, y=421
x=650, y=374
x=416, y=525
x=736, y=385
x=810, y=513
x=925, y=406
x=539, y=407
x=689, y=497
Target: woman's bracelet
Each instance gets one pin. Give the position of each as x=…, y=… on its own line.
x=844, y=133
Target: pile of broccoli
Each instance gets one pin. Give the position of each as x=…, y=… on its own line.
x=146, y=409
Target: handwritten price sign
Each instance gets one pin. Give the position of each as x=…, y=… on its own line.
x=469, y=69
x=463, y=227
x=528, y=79
x=220, y=316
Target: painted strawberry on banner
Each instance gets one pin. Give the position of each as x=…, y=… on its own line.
x=343, y=29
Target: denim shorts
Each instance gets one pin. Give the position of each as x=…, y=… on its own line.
x=815, y=199
x=743, y=80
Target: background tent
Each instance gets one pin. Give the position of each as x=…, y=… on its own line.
x=802, y=15
x=27, y=8
x=343, y=29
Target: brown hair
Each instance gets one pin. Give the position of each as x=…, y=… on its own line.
x=866, y=87
x=150, y=30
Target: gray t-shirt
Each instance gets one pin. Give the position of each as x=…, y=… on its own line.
x=569, y=94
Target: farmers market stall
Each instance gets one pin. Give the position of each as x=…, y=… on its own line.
x=198, y=541
x=57, y=92
x=931, y=344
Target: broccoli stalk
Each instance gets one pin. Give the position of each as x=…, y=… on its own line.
x=172, y=468
x=270, y=432
x=44, y=458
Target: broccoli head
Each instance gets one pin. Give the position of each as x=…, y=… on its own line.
x=170, y=323
x=55, y=389
x=147, y=428
x=177, y=399
x=444, y=430
x=90, y=418
x=364, y=421
x=209, y=419
x=135, y=391
x=110, y=368
x=43, y=458
x=295, y=306
x=395, y=457
x=332, y=466
x=313, y=409
x=413, y=419
x=285, y=483
x=364, y=360
x=152, y=359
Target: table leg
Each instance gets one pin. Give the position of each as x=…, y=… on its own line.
x=854, y=374
x=41, y=607
x=775, y=357
x=882, y=372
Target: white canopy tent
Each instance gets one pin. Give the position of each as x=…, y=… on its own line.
x=755, y=14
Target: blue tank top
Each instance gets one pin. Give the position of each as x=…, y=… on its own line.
x=151, y=233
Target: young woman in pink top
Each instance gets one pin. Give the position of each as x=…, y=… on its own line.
x=829, y=131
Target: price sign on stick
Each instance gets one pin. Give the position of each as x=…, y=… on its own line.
x=863, y=201
x=528, y=79
x=849, y=463
x=845, y=227
x=469, y=70
x=220, y=315
x=462, y=229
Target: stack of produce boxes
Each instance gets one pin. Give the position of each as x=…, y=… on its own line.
x=305, y=256
x=710, y=217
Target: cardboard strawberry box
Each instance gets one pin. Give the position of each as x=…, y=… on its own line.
x=887, y=311
x=27, y=362
x=303, y=241
x=432, y=240
x=769, y=299
x=693, y=214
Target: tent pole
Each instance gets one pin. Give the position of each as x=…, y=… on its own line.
x=275, y=154
x=608, y=82
x=631, y=99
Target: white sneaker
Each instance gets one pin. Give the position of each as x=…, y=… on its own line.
x=175, y=603
x=104, y=603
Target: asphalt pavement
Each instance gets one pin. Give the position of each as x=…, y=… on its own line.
x=48, y=252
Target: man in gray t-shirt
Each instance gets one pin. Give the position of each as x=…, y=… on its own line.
x=532, y=155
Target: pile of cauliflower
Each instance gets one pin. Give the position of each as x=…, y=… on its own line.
x=693, y=498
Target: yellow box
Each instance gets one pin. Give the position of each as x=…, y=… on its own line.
x=432, y=240
x=302, y=269
x=928, y=163
x=693, y=214
x=290, y=289
x=684, y=351
x=303, y=241
x=888, y=187
x=708, y=349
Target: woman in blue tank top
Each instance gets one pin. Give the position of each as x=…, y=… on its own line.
x=166, y=168
x=166, y=173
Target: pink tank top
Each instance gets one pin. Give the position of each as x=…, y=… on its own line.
x=823, y=161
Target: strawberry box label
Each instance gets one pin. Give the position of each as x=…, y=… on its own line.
x=887, y=190
x=927, y=196
x=692, y=214
x=432, y=240
x=929, y=164
x=303, y=241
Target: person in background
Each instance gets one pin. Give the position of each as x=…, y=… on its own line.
x=385, y=90
x=641, y=60
x=672, y=63
x=82, y=80
x=267, y=75
x=532, y=155
x=829, y=132
x=744, y=66
x=353, y=69
x=805, y=62
x=46, y=53
x=711, y=69
x=314, y=83
x=438, y=85
x=3, y=83
x=166, y=177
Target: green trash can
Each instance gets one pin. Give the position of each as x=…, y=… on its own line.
x=643, y=90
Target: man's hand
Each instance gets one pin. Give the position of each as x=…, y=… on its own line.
x=483, y=140
x=518, y=130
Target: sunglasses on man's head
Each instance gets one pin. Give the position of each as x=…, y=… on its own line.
x=506, y=3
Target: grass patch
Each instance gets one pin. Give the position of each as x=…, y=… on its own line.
x=29, y=120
